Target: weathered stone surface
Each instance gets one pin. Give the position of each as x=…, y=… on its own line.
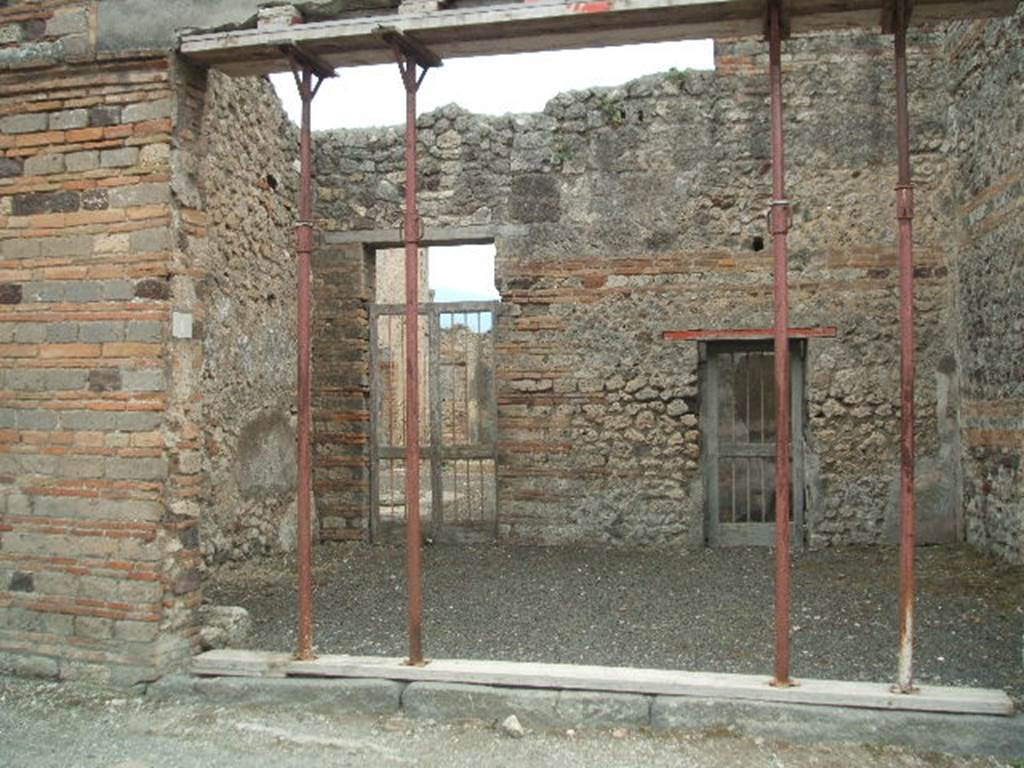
x=223, y=626
x=311, y=694
x=988, y=136
x=248, y=368
x=603, y=710
x=489, y=704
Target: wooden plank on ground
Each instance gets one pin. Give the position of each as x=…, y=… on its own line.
x=835, y=693
x=236, y=663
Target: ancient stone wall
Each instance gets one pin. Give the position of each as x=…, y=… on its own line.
x=987, y=83
x=247, y=293
x=641, y=210
x=146, y=341
x=96, y=575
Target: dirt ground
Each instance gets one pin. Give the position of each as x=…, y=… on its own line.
x=707, y=610
x=50, y=725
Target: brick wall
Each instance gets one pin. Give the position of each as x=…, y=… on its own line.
x=987, y=84
x=137, y=195
x=342, y=289
x=94, y=573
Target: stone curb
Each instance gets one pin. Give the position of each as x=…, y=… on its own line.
x=539, y=708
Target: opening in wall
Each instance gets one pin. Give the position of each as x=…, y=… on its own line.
x=738, y=417
x=456, y=393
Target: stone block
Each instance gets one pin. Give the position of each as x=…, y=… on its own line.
x=147, y=380
x=365, y=696
x=139, y=194
x=43, y=165
x=65, y=378
x=489, y=704
x=147, y=110
x=30, y=122
x=119, y=158
x=69, y=245
x=21, y=248
x=101, y=331
x=139, y=421
x=11, y=166
x=37, y=419
x=104, y=116
x=95, y=200
x=118, y=290
x=144, y=330
x=600, y=709
x=68, y=118
x=88, y=421
x=136, y=631
x=62, y=332
x=11, y=33
x=29, y=333
x=150, y=240
x=104, y=380
x=28, y=665
x=68, y=22
x=136, y=469
x=83, y=291
x=34, y=203
x=78, y=162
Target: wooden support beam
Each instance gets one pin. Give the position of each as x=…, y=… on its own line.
x=481, y=30
x=746, y=334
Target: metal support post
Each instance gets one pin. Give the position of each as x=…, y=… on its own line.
x=905, y=217
x=779, y=222
x=413, y=63
x=304, y=248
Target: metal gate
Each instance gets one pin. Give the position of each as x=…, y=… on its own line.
x=457, y=425
x=739, y=451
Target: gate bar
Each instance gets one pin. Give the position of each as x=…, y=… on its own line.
x=411, y=57
x=304, y=249
x=779, y=222
x=905, y=217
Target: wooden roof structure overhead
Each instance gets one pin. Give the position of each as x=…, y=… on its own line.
x=484, y=29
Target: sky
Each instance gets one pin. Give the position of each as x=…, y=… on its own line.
x=363, y=97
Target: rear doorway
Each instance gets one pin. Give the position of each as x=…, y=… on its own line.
x=738, y=413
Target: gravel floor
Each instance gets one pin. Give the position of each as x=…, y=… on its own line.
x=706, y=610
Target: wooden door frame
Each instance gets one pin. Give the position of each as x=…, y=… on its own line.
x=748, y=534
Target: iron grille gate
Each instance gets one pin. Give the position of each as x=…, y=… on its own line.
x=458, y=409
x=739, y=455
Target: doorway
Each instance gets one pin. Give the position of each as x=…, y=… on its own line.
x=738, y=413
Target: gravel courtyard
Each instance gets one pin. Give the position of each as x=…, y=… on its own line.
x=707, y=610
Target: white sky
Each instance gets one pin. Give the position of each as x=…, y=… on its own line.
x=364, y=97
x=462, y=273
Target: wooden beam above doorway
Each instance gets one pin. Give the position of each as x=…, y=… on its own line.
x=480, y=30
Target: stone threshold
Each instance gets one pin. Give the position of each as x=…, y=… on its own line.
x=609, y=680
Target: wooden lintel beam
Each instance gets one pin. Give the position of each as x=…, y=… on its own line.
x=747, y=334
x=517, y=27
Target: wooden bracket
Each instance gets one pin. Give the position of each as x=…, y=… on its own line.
x=309, y=60
x=783, y=15
x=890, y=14
x=411, y=47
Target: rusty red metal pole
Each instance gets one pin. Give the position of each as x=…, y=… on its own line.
x=413, y=540
x=779, y=224
x=304, y=246
x=905, y=217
